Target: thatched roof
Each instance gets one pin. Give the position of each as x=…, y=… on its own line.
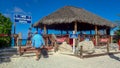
x=69, y=14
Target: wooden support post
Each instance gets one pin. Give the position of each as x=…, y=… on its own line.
x=20, y=43
x=55, y=47
x=75, y=27
x=96, y=33
x=108, y=33
x=81, y=51
x=108, y=47
x=47, y=41
x=14, y=27
x=74, y=32
x=44, y=29
x=74, y=43
x=111, y=38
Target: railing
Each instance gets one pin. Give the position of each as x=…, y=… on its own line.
x=100, y=38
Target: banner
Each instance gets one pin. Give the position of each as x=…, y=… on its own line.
x=22, y=18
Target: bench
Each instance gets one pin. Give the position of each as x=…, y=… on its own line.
x=28, y=48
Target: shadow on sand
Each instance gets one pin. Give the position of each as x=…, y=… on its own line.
x=6, y=54
x=5, y=60
x=111, y=55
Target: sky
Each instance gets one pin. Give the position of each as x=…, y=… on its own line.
x=37, y=9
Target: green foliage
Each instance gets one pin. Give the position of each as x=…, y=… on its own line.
x=5, y=28
x=117, y=35
x=114, y=40
x=118, y=31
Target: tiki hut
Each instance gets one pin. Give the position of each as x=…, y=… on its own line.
x=73, y=18
x=66, y=17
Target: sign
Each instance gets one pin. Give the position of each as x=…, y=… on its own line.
x=3, y=35
x=22, y=18
x=73, y=36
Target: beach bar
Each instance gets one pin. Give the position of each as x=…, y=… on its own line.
x=73, y=18
x=69, y=18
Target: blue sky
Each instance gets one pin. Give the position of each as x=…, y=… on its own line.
x=108, y=9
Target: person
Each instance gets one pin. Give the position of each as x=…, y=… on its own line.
x=38, y=43
x=19, y=39
x=29, y=37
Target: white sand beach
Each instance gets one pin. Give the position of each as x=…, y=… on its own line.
x=58, y=60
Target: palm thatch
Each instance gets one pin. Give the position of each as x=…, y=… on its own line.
x=69, y=14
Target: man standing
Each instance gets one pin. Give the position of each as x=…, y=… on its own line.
x=29, y=37
x=38, y=43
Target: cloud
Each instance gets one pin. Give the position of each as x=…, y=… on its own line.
x=17, y=10
x=7, y=15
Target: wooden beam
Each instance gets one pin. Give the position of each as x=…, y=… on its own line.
x=96, y=30
x=111, y=38
x=81, y=51
x=44, y=29
x=108, y=47
x=74, y=32
x=19, y=46
x=75, y=27
x=96, y=33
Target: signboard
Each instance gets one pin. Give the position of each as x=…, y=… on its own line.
x=22, y=18
x=3, y=35
x=73, y=36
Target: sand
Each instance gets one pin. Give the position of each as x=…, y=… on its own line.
x=58, y=60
